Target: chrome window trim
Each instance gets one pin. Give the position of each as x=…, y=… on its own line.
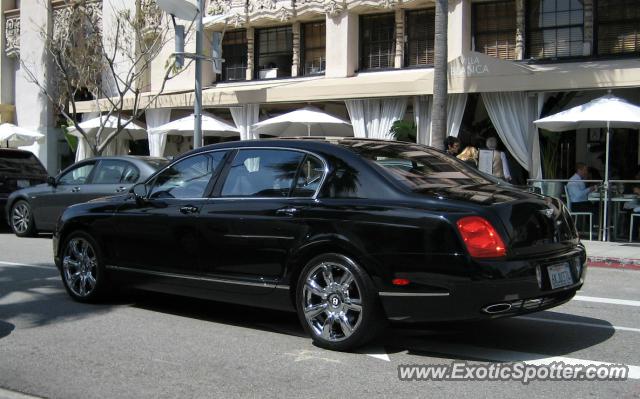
x=325, y=165
x=189, y=277
x=317, y=192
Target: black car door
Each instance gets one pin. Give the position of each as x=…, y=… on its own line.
x=70, y=188
x=162, y=233
x=252, y=222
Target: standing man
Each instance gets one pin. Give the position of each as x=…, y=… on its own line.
x=578, y=191
x=452, y=145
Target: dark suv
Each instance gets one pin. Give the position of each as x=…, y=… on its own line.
x=18, y=169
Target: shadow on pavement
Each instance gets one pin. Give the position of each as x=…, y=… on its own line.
x=514, y=334
x=5, y=328
x=222, y=313
x=35, y=296
x=530, y=337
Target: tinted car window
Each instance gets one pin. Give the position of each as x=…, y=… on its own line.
x=262, y=173
x=20, y=163
x=187, y=178
x=77, y=175
x=420, y=168
x=114, y=172
x=309, y=177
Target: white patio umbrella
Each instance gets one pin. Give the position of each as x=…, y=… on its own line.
x=134, y=129
x=608, y=111
x=308, y=121
x=211, y=126
x=15, y=136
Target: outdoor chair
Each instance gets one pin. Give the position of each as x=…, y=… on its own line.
x=577, y=214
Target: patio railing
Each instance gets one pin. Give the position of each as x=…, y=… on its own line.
x=623, y=220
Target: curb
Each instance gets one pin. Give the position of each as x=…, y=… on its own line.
x=613, y=263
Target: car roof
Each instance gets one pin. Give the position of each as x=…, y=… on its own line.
x=309, y=143
x=7, y=150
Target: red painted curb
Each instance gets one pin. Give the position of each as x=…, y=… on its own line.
x=614, y=264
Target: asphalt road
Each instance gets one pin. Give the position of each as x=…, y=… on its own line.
x=156, y=346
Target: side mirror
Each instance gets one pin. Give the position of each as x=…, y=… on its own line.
x=139, y=192
x=51, y=181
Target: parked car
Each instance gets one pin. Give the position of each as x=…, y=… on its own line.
x=18, y=169
x=37, y=209
x=349, y=233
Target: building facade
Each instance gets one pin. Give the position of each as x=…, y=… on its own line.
x=370, y=61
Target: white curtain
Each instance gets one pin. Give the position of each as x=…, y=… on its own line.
x=244, y=117
x=157, y=139
x=83, y=150
x=512, y=114
x=422, y=117
x=422, y=111
x=456, y=103
x=375, y=117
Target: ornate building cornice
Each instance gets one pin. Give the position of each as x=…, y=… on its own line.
x=275, y=10
x=12, y=35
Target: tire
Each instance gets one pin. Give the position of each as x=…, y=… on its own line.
x=337, y=303
x=21, y=219
x=82, y=270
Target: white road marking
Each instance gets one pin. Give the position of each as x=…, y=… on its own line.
x=7, y=394
x=25, y=265
x=579, y=323
x=606, y=300
x=500, y=355
x=376, y=352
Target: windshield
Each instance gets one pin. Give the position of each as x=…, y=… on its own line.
x=420, y=168
x=20, y=163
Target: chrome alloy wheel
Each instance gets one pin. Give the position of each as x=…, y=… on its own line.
x=20, y=218
x=80, y=266
x=332, y=301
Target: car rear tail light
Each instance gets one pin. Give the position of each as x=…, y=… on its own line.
x=400, y=281
x=481, y=239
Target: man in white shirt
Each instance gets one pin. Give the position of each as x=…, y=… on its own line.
x=579, y=192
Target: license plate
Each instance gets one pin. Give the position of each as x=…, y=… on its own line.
x=560, y=275
x=22, y=183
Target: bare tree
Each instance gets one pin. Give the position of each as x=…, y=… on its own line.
x=109, y=67
x=440, y=89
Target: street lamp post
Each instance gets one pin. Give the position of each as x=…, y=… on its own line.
x=185, y=10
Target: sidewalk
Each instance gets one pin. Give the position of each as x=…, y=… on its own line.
x=617, y=255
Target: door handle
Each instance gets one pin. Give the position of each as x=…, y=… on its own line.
x=288, y=211
x=75, y=189
x=187, y=209
x=121, y=189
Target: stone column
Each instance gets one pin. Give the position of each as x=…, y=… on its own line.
x=342, y=44
x=7, y=67
x=588, y=27
x=459, y=28
x=295, y=65
x=251, y=36
x=520, y=29
x=399, y=58
x=33, y=109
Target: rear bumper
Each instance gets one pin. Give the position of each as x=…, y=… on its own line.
x=461, y=299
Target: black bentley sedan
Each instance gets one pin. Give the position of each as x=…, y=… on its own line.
x=36, y=209
x=349, y=233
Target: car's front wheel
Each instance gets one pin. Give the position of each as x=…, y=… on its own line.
x=22, y=221
x=337, y=303
x=82, y=269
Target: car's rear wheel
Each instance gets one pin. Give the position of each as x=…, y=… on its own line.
x=22, y=222
x=337, y=303
x=82, y=268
